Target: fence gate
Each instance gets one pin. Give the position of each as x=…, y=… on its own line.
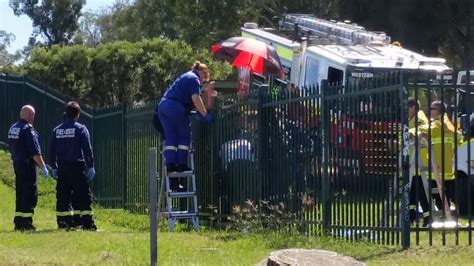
x=364, y=178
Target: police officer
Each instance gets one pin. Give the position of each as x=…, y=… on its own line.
x=173, y=111
x=26, y=152
x=70, y=152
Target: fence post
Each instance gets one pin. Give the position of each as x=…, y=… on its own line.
x=5, y=116
x=325, y=184
x=261, y=136
x=23, y=90
x=124, y=154
x=45, y=140
x=153, y=207
x=405, y=221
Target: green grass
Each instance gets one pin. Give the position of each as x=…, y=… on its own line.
x=124, y=239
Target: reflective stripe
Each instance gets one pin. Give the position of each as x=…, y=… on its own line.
x=412, y=207
x=426, y=214
x=466, y=142
x=170, y=148
x=284, y=52
x=183, y=147
x=440, y=140
x=447, y=176
x=62, y=214
x=23, y=214
x=87, y=213
x=76, y=212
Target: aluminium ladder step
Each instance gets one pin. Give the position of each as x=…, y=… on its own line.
x=182, y=214
x=186, y=194
x=178, y=174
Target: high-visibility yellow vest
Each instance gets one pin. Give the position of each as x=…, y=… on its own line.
x=437, y=141
x=423, y=151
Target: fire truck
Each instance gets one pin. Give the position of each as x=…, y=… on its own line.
x=313, y=49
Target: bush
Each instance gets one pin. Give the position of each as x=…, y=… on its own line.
x=117, y=72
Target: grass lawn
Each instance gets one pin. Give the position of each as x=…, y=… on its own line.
x=124, y=239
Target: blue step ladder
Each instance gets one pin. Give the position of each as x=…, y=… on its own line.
x=174, y=198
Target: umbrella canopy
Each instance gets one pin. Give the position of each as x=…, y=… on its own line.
x=245, y=52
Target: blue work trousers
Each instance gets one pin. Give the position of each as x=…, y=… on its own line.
x=72, y=190
x=26, y=192
x=174, y=117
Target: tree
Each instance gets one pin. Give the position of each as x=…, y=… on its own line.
x=433, y=27
x=199, y=23
x=5, y=57
x=118, y=22
x=89, y=32
x=118, y=72
x=55, y=20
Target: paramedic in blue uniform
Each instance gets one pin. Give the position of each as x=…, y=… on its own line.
x=72, y=162
x=173, y=111
x=26, y=153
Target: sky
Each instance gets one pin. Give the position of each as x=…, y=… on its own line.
x=21, y=26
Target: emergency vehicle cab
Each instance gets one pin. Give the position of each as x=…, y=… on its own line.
x=313, y=49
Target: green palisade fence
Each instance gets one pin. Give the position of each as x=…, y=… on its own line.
x=329, y=153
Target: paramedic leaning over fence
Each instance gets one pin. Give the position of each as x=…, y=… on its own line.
x=442, y=145
x=173, y=110
x=26, y=153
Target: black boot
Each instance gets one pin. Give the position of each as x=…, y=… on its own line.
x=24, y=224
x=88, y=223
x=183, y=168
x=171, y=168
x=65, y=223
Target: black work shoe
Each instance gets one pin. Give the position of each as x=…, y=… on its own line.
x=183, y=168
x=174, y=184
x=65, y=226
x=92, y=227
x=426, y=221
x=181, y=188
x=171, y=168
x=25, y=228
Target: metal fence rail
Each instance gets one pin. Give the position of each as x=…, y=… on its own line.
x=336, y=157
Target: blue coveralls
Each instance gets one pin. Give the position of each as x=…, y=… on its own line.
x=70, y=151
x=23, y=145
x=173, y=111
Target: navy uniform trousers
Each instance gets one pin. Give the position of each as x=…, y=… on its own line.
x=174, y=117
x=26, y=193
x=72, y=187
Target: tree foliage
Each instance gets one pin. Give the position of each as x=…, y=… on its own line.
x=117, y=72
x=6, y=59
x=433, y=27
x=55, y=20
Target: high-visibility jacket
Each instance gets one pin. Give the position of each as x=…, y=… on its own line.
x=413, y=124
x=443, y=157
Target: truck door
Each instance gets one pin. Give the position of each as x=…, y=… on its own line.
x=311, y=75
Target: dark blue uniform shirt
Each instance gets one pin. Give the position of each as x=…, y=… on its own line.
x=184, y=87
x=23, y=141
x=70, y=142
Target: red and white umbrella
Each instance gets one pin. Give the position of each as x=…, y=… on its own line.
x=254, y=54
